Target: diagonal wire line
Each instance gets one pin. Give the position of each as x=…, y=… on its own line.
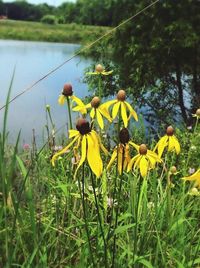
x=78, y=53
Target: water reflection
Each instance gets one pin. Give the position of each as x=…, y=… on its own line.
x=32, y=61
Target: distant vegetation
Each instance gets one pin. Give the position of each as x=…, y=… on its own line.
x=36, y=31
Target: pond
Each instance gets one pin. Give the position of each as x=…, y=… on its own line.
x=32, y=61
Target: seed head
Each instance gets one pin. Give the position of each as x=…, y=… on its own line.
x=173, y=170
x=99, y=68
x=95, y=102
x=124, y=136
x=143, y=149
x=67, y=90
x=121, y=95
x=198, y=112
x=170, y=131
x=83, y=126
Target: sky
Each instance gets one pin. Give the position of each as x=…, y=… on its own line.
x=49, y=2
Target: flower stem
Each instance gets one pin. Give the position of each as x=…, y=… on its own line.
x=99, y=86
x=117, y=212
x=100, y=222
x=69, y=113
x=82, y=194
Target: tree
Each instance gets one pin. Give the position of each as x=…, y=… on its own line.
x=158, y=56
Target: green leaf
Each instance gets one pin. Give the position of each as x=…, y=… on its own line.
x=124, y=228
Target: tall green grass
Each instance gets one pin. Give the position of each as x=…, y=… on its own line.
x=46, y=221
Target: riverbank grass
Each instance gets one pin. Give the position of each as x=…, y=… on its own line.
x=36, y=31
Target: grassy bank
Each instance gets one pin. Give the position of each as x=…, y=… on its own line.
x=36, y=31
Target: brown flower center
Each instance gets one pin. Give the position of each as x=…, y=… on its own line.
x=143, y=149
x=83, y=126
x=198, y=112
x=121, y=95
x=99, y=68
x=67, y=90
x=170, y=131
x=95, y=102
x=124, y=136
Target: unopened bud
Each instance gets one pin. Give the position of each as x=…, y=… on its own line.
x=198, y=112
x=173, y=170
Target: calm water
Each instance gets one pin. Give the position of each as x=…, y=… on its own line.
x=32, y=61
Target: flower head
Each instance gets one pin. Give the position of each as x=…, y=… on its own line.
x=99, y=70
x=97, y=110
x=124, y=105
x=168, y=141
x=121, y=152
x=197, y=114
x=195, y=177
x=144, y=160
x=90, y=145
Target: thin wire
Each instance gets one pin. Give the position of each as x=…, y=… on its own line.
x=79, y=52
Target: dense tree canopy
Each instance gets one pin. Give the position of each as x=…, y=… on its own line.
x=158, y=56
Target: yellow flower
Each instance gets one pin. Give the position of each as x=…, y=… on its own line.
x=97, y=111
x=90, y=144
x=168, y=141
x=144, y=160
x=120, y=102
x=99, y=70
x=197, y=114
x=121, y=152
x=194, y=177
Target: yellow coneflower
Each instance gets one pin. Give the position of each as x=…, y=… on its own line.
x=97, y=111
x=125, y=106
x=121, y=152
x=99, y=70
x=68, y=93
x=144, y=160
x=168, y=141
x=90, y=145
x=194, y=177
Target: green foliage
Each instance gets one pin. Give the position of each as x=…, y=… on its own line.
x=158, y=59
x=49, y=19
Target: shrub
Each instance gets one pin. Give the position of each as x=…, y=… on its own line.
x=49, y=19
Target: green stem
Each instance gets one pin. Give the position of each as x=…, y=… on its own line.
x=100, y=222
x=117, y=213
x=100, y=86
x=82, y=194
x=69, y=113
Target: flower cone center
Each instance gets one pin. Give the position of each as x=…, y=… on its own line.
x=124, y=136
x=95, y=102
x=143, y=149
x=67, y=90
x=83, y=126
x=170, y=131
x=121, y=95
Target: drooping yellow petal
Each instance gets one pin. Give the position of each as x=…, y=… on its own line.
x=109, y=103
x=93, y=154
x=63, y=150
x=132, y=162
x=143, y=166
x=171, y=146
x=160, y=146
x=132, y=112
x=61, y=99
x=100, y=143
x=120, y=158
x=106, y=73
x=99, y=119
x=80, y=105
x=102, y=109
x=115, y=109
x=176, y=144
x=113, y=157
x=124, y=114
x=87, y=106
x=73, y=133
x=134, y=145
x=193, y=177
x=92, y=113
x=92, y=73
x=83, y=152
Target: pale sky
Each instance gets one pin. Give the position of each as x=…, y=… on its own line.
x=49, y=2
